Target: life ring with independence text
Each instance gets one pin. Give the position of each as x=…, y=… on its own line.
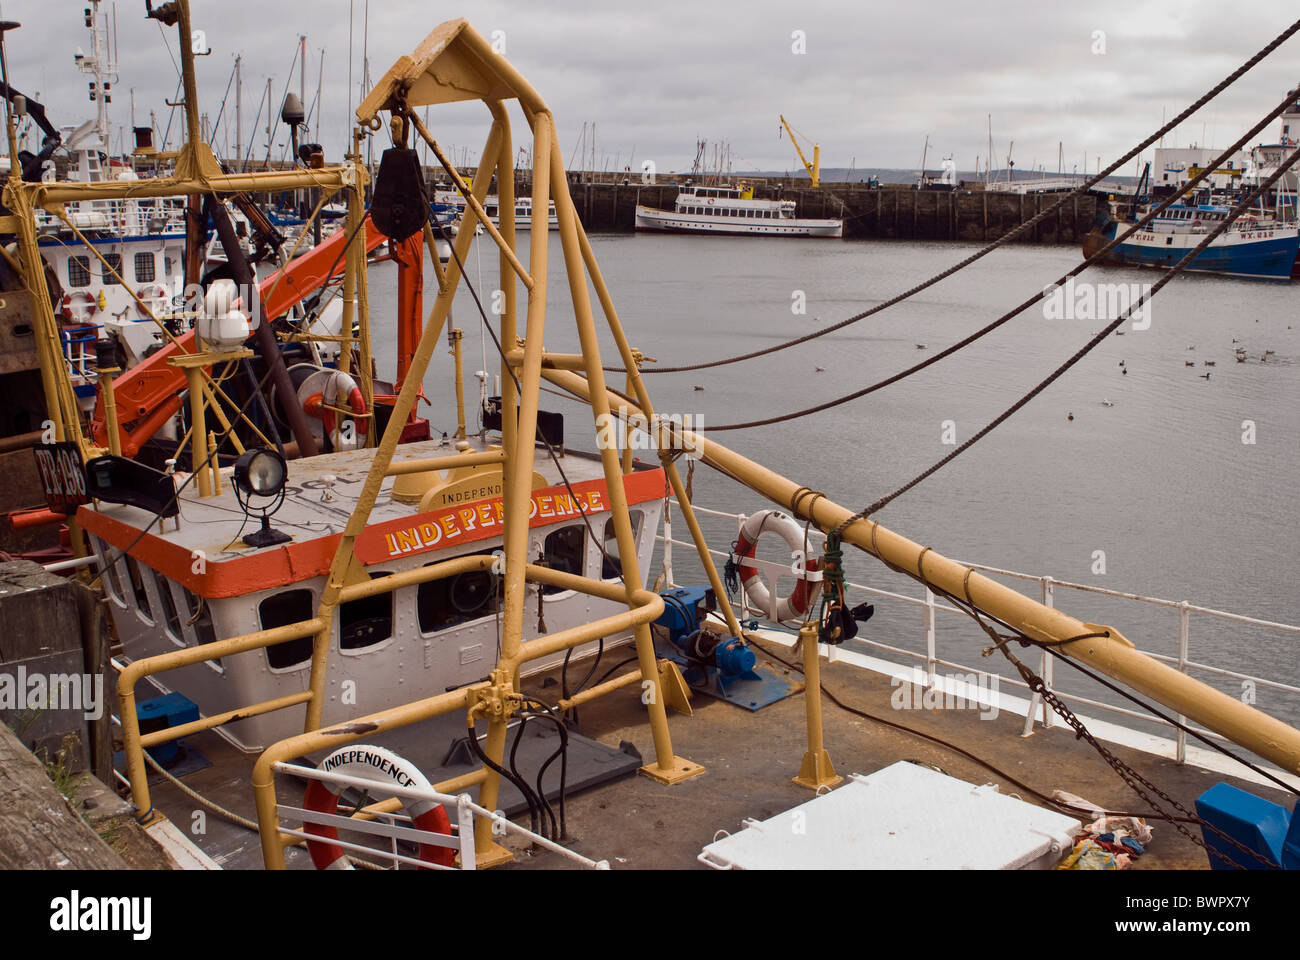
x=378, y=764
x=797, y=604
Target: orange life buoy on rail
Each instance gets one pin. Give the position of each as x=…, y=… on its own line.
x=372, y=763
x=779, y=609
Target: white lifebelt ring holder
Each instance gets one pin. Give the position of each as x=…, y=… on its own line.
x=773, y=572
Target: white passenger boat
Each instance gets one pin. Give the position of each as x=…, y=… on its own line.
x=449, y=207
x=733, y=210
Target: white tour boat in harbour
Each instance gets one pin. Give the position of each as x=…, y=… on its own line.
x=733, y=210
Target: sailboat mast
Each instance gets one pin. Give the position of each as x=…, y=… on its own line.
x=239, y=113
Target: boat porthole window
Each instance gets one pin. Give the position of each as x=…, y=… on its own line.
x=78, y=271
x=366, y=622
x=565, y=550
x=451, y=601
x=280, y=610
x=144, y=268
x=112, y=267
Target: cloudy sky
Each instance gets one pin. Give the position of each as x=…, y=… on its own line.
x=876, y=80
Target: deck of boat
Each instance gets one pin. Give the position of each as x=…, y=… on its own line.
x=636, y=823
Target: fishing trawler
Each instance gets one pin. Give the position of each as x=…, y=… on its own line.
x=733, y=210
x=1263, y=243
x=397, y=617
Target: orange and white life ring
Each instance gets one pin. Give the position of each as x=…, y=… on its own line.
x=380, y=765
x=780, y=609
x=83, y=297
x=341, y=391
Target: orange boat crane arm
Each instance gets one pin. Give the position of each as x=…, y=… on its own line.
x=151, y=392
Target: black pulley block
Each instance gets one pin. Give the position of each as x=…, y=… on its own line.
x=399, y=207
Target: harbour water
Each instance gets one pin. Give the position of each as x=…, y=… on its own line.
x=1159, y=493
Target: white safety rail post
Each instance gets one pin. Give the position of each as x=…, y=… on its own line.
x=669, y=582
x=931, y=654
x=744, y=600
x=1184, y=624
x=1047, y=596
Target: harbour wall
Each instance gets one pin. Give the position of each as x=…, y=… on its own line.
x=888, y=212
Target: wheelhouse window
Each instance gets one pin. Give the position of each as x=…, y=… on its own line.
x=200, y=618
x=366, y=622
x=280, y=610
x=611, y=566
x=171, y=618
x=144, y=268
x=451, y=601
x=565, y=550
x=79, y=271
x=138, y=590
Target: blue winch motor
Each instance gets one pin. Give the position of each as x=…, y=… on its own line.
x=684, y=612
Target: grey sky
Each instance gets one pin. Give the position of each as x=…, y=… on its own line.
x=876, y=79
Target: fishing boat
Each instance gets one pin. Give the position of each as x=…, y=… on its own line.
x=1249, y=248
x=733, y=210
x=374, y=647
x=1262, y=244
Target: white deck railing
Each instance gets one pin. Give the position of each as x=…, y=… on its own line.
x=1047, y=587
x=397, y=826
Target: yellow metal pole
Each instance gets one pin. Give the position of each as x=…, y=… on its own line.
x=508, y=280
x=198, y=432
x=106, y=375
x=61, y=406
x=667, y=768
x=365, y=359
x=1112, y=654
x=816, y=771
x=628, y=430
x=519, y=466
x=456, y=337
x=355, y=262
x=184, y=31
